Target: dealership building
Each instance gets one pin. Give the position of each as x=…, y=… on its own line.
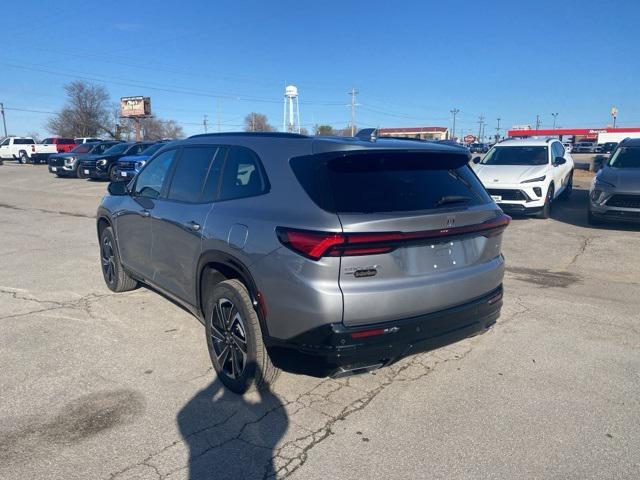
x=422, y=133
x=578, y=134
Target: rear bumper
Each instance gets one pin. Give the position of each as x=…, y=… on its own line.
x=334, y=350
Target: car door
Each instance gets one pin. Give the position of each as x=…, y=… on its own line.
x=178, y=220
x=133, y=219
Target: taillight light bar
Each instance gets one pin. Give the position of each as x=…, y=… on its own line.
x=315, y=245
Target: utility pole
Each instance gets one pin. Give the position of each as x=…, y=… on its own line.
x=480, y=129
x=353, y=94
x=204, y=123
x=498, y=130
x=4, y=121
x=454, y=112
x=537, y=122
x=218, y=112
x=555, y=117
x=253, y=122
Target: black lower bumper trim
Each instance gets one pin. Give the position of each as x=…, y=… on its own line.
x=333, y=349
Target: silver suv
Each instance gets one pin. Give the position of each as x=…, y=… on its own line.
x=317, y=255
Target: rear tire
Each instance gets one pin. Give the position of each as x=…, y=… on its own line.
x=112, y=270
x=24, y=158
x=234, y=339
x=546, y=209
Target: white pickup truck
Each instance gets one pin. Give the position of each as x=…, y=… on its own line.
x=24, y=149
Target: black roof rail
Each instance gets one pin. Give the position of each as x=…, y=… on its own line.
x=250, y=134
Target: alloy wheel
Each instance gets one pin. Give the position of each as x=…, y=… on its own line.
x=108, y=260
x=229, y=338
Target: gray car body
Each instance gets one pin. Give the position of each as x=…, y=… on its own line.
x=616, y=181
x=296, y=294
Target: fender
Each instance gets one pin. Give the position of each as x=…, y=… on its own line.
x=232, y=263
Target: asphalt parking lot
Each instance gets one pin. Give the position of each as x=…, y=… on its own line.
x=96, y=385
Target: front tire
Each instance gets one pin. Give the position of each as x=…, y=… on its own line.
x=568, y=189
x=112, y=270
x=234, y=339
x=546, y=209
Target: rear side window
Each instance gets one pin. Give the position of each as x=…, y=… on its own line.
x=23, y=141
x=66, y=141
x=243, y=175
x=190, y=173
x=389, y=182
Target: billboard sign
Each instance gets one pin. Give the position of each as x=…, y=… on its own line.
x=135, y=106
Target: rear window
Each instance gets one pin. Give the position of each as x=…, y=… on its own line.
x=389, y=182
x=23, y=141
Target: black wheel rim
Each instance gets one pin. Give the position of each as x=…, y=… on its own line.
x=108, y=260
x=228, y=338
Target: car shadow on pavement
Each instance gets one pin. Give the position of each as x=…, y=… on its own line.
x=232, y=436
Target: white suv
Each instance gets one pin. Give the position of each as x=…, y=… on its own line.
x=526, y=176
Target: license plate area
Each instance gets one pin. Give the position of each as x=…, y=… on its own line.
x=54, y=169
x=86, y=171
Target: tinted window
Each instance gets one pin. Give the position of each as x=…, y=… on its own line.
x=242, y=175
x=150, y=150
x=136, y=149
x=190, y=174
x=84, y=148
x=48, y=141
x=5, y=142
x=66, y=141
x=516, y=156
x=23, y=141
x=117, y=149
x=100, y=148
x=151, y=179
x=625, y=157
x=389, y=182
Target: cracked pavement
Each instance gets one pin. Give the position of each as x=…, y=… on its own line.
x=119, y=386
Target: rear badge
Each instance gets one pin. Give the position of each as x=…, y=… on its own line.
x=360, y=272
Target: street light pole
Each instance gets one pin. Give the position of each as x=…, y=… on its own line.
x=555, y=117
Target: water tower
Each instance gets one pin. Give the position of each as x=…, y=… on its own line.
x=291, y=120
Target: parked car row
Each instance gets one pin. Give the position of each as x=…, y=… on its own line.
x=103, y=160
x=26, y=149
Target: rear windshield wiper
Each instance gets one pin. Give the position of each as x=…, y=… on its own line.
x=447, y=199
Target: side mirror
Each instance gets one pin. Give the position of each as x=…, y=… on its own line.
x=476, y=160
x=118, y=188
x=559, y=161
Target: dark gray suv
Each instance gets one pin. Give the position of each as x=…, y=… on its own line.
x=317, y=255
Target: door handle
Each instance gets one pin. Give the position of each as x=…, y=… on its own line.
x=193, y=226
x=145, y=213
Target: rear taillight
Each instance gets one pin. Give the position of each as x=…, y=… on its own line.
x=33, y=148
x=315, y=245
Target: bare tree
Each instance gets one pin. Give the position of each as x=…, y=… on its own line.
x=257, y=122
x=304, y=131
x=86, y=114
x=345, y=132
x=324, y=130
x=157, y=129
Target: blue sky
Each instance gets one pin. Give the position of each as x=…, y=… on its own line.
x=411, y=61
